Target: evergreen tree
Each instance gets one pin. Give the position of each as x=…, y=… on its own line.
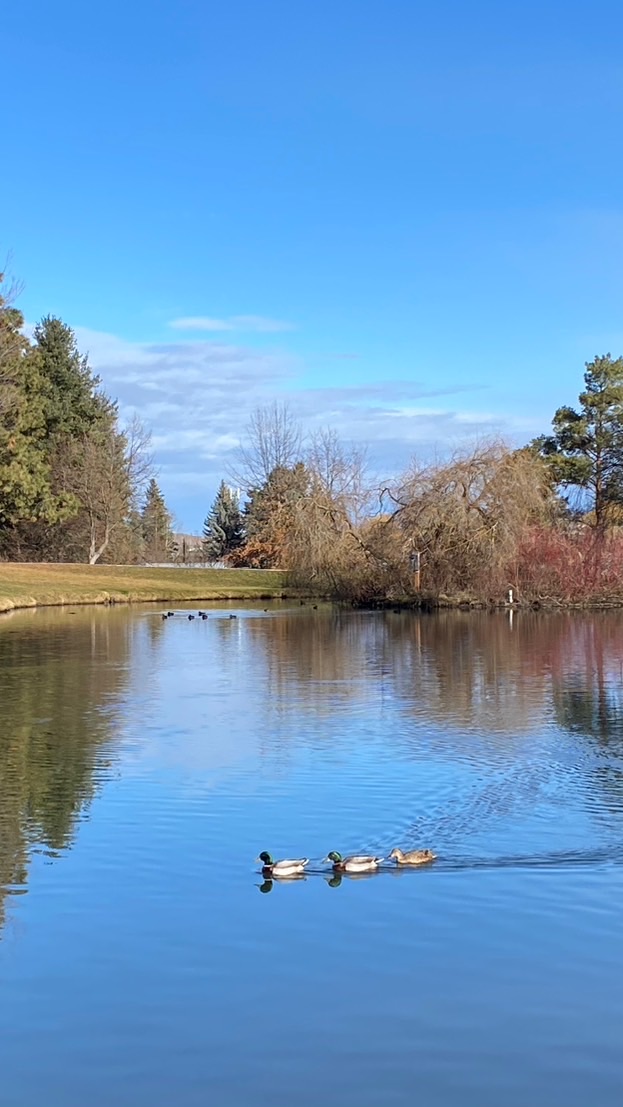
x=270, y=513
x=71, y=401
x=223, y=529
x=25, y=486
x=156, y=525
x=76, y=420
x=70, y=476
x=586, y=449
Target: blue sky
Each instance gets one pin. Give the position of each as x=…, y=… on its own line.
x=404, y=218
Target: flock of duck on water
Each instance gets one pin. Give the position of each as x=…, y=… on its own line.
x=356, y=863
x=204, y=614
x=190, y=617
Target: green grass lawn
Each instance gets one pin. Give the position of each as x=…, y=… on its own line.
x=36, y=585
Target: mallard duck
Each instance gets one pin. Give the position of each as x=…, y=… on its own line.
x=412, y=857
x=359, y=863
x=287, y=867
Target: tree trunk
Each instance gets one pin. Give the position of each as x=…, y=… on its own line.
x=94, y=552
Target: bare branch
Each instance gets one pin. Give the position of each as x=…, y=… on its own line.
x=273, y=440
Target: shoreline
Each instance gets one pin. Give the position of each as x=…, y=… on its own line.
x=24, y=586
x=430, y=604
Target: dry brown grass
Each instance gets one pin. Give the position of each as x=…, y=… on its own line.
x=35, y=585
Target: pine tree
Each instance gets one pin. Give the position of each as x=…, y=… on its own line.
x=77, y=422
x=586, y=449
x=270, y=514
x=223, y=528
x=26, y=493
x=71, y=400
x=156, y=525
x=70, y=476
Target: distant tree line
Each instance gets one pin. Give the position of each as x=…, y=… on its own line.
x=75, y=485
x=545, y=519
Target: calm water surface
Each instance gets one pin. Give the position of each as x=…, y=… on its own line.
x=143, y=766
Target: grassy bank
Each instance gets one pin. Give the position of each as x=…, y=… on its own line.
x=44, y=585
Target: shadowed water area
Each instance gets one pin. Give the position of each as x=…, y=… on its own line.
x=144, y=763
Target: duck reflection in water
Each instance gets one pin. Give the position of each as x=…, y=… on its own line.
x=338, y=878
x=268, y=884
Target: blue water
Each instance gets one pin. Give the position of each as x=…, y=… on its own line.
x=144, y=764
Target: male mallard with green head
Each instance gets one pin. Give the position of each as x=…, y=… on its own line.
x=286, y=867
x=412, y=857
x=359, y=863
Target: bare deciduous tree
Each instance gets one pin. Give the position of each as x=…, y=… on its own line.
x=324, y=541
x=339, y=472
x=273, y=440
x=467, y=515
x=107, y=472
x=139, y=457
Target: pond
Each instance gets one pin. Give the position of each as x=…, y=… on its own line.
x=144, y=763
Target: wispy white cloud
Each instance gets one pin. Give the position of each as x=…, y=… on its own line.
x=258, y=324
x=197, y=397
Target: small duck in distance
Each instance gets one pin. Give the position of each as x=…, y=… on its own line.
x=412, y=856
x=286, y=867
x=356, y=863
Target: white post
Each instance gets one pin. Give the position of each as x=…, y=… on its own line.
x=510, y=595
